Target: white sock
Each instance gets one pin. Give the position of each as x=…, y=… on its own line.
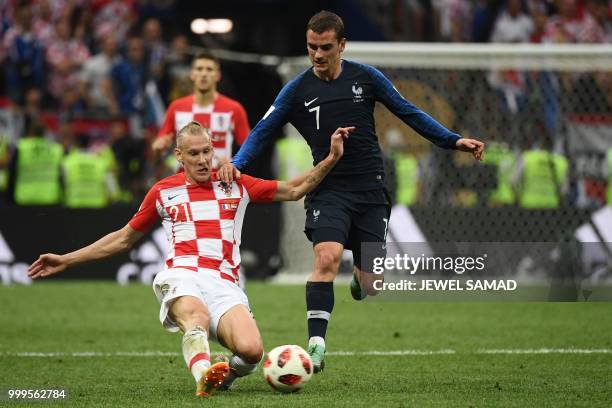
x=316, y=340
x=240, y=368
x=196, y=351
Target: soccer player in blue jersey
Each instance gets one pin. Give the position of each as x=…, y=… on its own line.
x=351, y=205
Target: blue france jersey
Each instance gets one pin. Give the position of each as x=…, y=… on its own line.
x=317, y=108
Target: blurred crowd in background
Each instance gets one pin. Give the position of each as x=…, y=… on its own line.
x=88, y=81
x=510, y=21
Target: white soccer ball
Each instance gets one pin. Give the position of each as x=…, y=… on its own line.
x=287, y=368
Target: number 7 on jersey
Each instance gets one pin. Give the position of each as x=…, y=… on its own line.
x=316, y=109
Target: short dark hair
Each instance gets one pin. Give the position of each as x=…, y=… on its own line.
x=324, y=21
x=206, y=55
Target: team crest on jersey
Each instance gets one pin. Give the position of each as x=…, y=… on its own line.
x=357, y=92
x=226, y=188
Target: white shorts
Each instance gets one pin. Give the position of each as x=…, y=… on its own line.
x=219, y=295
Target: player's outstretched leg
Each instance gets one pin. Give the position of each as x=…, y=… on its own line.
x=320, y=299
x=192, y=316
x=212, y=379
x=238, y=331
x=238, y=368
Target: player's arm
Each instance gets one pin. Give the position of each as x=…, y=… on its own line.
x=261, y=135
x=107, y=246
x=303, y=184
x=420, y=121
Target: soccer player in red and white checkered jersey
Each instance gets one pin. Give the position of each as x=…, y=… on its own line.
x=203, y=217
x=225, y=118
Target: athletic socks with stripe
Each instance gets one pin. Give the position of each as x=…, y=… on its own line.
x=319, y=305
x=196, y=351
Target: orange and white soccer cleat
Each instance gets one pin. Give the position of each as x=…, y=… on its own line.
x=212, y=379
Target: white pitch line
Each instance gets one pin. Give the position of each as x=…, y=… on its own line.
x=391, y=353
x=545, y=351
x=375, y=353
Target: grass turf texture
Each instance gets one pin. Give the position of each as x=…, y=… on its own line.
x=104, y=317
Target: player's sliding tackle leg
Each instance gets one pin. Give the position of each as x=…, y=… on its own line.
x=238, y=332
x=320, y=298
x=193, y=318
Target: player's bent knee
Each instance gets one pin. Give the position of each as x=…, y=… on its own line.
x=326, y=262
x=250, y=350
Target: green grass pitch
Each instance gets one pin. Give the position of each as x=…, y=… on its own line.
x=112, y=321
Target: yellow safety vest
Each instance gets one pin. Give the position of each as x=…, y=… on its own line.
x=85, y=180
x=3, y=157
x=540, y=185
x=38, y=172
x=407, y=175
x=294, y=157
x=502, y=157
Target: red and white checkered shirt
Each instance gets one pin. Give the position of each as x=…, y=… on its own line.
x=203, y=223
x=225, y=119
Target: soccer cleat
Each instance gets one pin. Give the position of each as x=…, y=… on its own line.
x=212, y=379
x=228, y=382
x=356, y=291
x=317, y=355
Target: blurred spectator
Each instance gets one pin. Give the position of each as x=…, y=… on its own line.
x=539, y=17
x=596, y=26
x=32, y=108
x=513, y=25
x=34, y=175
x=95, y=71
x=32, y=104
x=6, y=16
x=65, y=136
x=454, y=20
x=85, y=177
x=485, y=13
x=129, y=156
x=125, y=89
x=178, y=68
x=565, y=26
x=43, y=26
x=22, y=56
x=155, y=48
x=542, y=177
x=71, y=106
x=65, y=56
x=113, y=17
x=81, y=21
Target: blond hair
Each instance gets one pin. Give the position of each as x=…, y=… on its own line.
x=192, y=128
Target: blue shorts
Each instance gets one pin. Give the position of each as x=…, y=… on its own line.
x=349, y=218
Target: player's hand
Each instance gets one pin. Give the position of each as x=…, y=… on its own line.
x=476, y=147
x=45, y=265
x=228, y=173
x=161, y=144
x=336, y=149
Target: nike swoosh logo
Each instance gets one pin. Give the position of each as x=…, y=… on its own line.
x=308, y=103
x=171, y=197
